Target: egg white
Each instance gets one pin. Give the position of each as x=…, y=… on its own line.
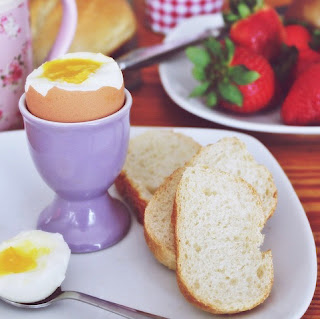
x=39, y=283
x=109, y=74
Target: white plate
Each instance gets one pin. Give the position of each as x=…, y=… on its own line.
x=177, y=80
x=128, y=274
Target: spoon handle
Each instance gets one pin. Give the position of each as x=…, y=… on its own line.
x=142, y=57
x=123, y=311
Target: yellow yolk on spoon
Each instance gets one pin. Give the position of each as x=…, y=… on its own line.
x=21, y=258
x=73, y=71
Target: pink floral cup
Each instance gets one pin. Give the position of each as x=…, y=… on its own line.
x=16, y=53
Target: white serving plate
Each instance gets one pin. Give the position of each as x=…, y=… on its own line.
x=177, y=80
x=128, y=274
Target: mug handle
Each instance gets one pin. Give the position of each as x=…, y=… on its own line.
x=67, y=30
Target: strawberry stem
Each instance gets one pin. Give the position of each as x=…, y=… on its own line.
x=218, y=79
x=241, y=9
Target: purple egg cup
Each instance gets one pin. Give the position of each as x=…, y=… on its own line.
x=80, y=161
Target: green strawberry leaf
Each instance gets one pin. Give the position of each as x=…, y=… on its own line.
x=230, y=93
x=230, y=17
x=214, y=47
x=198, y=56
x=315, y=40
x=241, y=75
x=241, y=9
x=212, y=99
x=230, y=47
x=199, y=73
x=244, y=10
x=200, y=90
x=259, y=4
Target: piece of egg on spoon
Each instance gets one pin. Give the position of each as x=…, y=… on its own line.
x=33, y=265
x=76, y=87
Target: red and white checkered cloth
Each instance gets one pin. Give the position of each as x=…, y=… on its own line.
x=163, y=15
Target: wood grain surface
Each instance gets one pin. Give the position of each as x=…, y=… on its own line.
x=299, y=156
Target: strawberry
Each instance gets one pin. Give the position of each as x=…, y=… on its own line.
x=233, y=77
x=298, y=36
x=256, y=95
x=255, y=26
x=306, y=59
x=302, y=104
x=308, y=45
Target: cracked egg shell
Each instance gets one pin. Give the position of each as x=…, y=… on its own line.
x=76, y=87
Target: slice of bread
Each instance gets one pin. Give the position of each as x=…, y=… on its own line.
x=229, y=155
x=158, y=230
x=152, y=156
x=218, y=219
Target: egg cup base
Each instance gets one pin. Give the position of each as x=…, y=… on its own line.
x=88, y=225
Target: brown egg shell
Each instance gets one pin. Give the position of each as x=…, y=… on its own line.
x=74, y=106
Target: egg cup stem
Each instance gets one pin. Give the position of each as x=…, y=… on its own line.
x=80, y=162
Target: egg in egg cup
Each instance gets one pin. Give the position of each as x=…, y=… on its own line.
x=80, y=160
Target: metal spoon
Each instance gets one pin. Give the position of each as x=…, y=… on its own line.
x=141, y=57
x=59, y=294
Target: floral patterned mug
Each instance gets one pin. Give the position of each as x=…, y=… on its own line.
x=16, y=53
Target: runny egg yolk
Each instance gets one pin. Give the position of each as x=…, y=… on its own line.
x=20, y=258
x=73, y=71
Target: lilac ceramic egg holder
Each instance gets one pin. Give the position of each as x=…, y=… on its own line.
x=80, y=162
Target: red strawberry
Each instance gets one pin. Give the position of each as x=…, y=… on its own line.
x=298, y=36
x=306, y=58
x=302, y=104
x=234, y=77
x=257, y=94
x=262, y=32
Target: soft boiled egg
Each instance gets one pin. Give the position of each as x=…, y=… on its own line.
x=76, y=87
x=32, y=265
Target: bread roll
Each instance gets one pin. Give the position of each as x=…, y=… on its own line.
x=103, y=26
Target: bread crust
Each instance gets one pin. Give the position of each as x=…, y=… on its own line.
x=161, y=252
x=197, y=303
x=129, y=191
x=275, y=197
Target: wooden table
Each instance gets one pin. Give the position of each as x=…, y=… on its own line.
x=299, y=156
